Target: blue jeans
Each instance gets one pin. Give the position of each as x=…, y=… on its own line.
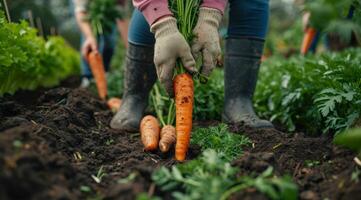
x=247, y=19
x=106, y=45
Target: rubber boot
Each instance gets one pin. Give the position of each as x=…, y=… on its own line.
x=242, y=62
x=140, y=75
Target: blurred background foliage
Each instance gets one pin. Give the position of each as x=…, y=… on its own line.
x=50, y=17
x=285, y=28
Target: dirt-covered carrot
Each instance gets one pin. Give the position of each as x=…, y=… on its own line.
x=114, y=104
x=186, y=13
x=184, y=93
x=97, y=67
x=149, y=131
x=307, y=40
x=167, y=138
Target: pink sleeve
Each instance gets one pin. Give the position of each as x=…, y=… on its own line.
x=153, y=9
x=216, y=4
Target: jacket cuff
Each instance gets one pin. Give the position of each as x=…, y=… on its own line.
x=155, y=10
x=216, y=4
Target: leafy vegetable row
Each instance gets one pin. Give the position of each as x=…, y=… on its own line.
x=316, y=93
x=28, y=61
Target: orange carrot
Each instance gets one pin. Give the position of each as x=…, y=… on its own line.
x=167, y=138
x=96, y=65
x=114, y=104
x=307, y=40
x=149, y=131
x=184, y=93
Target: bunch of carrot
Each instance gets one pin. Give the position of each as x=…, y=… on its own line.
x=151, y=134
x=186, y=13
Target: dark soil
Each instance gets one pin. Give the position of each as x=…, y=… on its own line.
x=52, y=143
x=320, y=169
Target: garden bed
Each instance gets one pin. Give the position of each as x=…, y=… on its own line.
x=57, y=144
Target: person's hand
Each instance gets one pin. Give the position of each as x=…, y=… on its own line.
x=206, y=41
x=306, y=21
x=90, y=44
x=169, y=46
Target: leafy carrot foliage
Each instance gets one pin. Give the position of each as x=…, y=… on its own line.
x=317, y=93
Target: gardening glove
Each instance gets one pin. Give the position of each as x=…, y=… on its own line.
x=206, y=41
x=169, y=46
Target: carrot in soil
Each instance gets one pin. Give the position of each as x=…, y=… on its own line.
x=96, y=65
x=307, y=40
x=184, y=93
x=114, y=104
x=149, y=131
x=167, y=138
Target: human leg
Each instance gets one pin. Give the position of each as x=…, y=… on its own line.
x=244, y=48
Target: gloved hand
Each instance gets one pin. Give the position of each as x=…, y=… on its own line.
x=170, y=45
x=206, y=41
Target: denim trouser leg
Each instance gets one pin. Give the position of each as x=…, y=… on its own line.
x=139, y=30
x=248, y=18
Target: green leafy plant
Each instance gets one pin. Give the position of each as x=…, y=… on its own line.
x=28, y=61
x=314, y=93
x=221, y=140
x=208, y=98
x=212, y=177
x=272, y=186
x=206, y=179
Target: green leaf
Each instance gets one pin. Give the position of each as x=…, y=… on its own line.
x=176, y=173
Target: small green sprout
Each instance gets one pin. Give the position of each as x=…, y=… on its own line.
x=98, y=178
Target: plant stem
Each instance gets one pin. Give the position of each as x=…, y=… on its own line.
x=233, y=190
x=156, y=96
x=171, y=113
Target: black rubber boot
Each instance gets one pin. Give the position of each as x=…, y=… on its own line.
x=242, y=62
x=140, y=75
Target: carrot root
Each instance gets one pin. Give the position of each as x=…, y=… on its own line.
x=97, y=67
x=114, y=104
x=149, y=130
x=167, y=138
x=184, y=94
x=307, y=40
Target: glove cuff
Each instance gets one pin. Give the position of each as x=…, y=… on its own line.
x=210, y=15
x=165, y=26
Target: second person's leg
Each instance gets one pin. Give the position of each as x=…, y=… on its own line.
x=244, y=46
x=140, y=75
